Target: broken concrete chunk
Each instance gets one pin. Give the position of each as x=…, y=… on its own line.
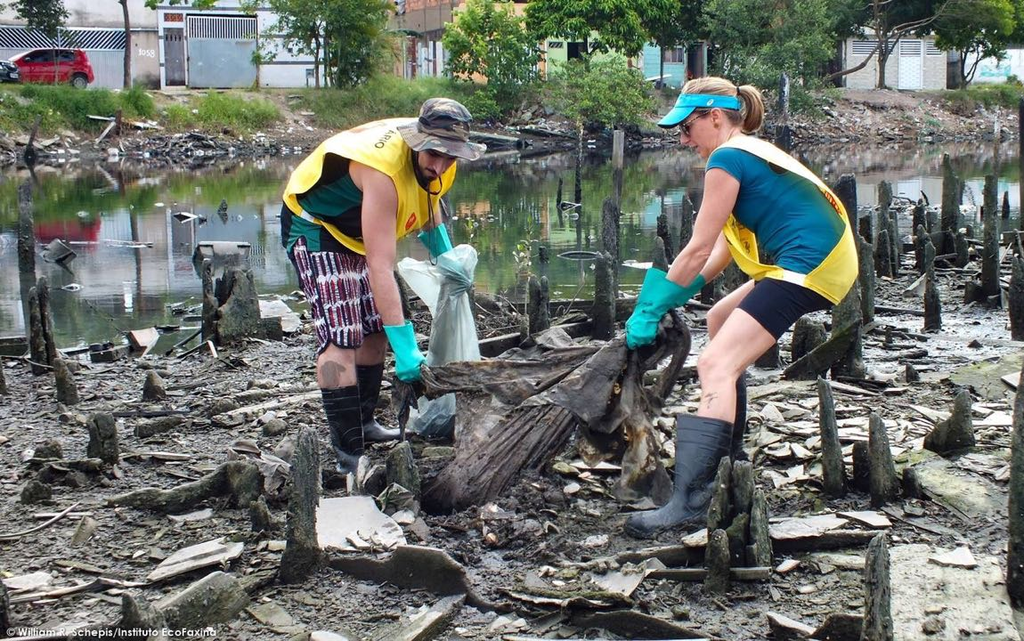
x=196, y=556
x=340, y=519
x=958, y=558
x=215, y=598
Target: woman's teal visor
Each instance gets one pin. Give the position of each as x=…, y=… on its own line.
x=687, y=102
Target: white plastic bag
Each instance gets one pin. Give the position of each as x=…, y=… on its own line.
x=444, y=288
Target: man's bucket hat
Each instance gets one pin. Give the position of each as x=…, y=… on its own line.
x=442, y=127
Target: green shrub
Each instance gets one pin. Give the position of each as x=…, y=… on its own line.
x=604, y=93
x=966, y=101
x=382, y=96
x=136, y=103
x=220, y=110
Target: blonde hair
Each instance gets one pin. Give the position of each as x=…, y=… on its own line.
x=750, y=117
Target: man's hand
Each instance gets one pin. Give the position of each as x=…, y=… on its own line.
x=408, y=357
x=657, y=295
x=436, y=240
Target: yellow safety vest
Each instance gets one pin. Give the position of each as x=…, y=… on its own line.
x=836, y=274
x=378, y=145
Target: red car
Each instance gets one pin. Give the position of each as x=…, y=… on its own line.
x=55, y=66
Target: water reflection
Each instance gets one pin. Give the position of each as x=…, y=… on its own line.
x=135, y=231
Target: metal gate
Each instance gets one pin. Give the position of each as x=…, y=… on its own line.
x=911, y=65
x=174, y=57
x=220, y=50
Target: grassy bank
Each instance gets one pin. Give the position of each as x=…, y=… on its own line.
x=61, y=108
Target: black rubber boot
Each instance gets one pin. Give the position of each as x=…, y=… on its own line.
x=700, y=445
x=369, y=378
x=341, y=405
x=739, y=424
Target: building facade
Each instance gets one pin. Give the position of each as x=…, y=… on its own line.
x=914, y=64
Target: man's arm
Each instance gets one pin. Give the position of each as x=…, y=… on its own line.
x=379, y=216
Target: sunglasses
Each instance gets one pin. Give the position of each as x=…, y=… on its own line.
x=685, y=127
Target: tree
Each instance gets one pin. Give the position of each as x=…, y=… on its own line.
x=488, y=39
x=891, y=20
x=621, y=25
x=976, y=29
x=673, y=29
x=45, y=16
x=759, y=40
x=344, y=36
x=604, y=92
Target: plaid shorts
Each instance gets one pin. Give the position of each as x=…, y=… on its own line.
x=337, y=288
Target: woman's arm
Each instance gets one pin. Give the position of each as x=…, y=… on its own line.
x=707, y=252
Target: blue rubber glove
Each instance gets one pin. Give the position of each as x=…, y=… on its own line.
x=408, y=356
x=436, y=240
x=657, y=295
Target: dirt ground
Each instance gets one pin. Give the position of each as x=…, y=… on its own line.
x=557, y=531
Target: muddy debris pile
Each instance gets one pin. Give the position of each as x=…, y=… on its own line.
x=178, y=510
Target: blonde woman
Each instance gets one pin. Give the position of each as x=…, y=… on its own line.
x=785, y=229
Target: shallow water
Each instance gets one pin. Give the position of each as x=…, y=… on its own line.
x=135, y=230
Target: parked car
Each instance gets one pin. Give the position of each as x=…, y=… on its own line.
x=9, y=72
x=54, y=66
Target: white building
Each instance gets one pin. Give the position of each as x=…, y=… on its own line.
x=915, y=64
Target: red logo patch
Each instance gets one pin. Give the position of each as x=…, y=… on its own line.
x=410, y=221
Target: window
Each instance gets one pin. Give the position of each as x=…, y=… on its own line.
x=556, y=44
x=864, y=47
x=931, y=50
x=677, y=54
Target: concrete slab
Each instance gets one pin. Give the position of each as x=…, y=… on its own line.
x=964, y=602
x=354, y=524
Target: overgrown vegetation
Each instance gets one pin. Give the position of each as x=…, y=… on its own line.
x=489, y=41
x=603, y=92
x=64, y=107
x=382, y=96
x=966, y=101
x=239, y=112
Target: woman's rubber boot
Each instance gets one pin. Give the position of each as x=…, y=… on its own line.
x=369, y=378
x=344, y=420
x=700, y=445
x=739, y=424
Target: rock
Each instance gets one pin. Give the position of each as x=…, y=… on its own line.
x=36, y=492
x=154, y=388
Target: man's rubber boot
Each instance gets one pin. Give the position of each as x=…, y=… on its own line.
x=369, y=378
x=344, y=420
x=739, y=424
x=700, y=445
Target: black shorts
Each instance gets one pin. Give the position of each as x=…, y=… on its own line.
x=776, y=304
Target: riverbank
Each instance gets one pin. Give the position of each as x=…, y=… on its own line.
x=874, y=117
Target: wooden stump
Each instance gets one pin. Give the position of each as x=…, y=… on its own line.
x=1015, y=544
x=957, y=431
x=878, y=625
x=64, y=383
x=807, y=336
x=1016, y=298
x=716, y=560
x=537, y=304
x=103, y=442
x=302, y=555
x=604, y=298
x=833, y=473
x=884, y=483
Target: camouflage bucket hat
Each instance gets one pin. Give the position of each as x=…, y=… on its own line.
x=443, y=127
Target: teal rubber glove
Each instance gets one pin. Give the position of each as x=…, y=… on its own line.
x=408, y=356
x=436, y=240
x=657, y=295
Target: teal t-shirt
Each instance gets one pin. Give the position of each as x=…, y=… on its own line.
x=796, y=228
x=334, y=199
